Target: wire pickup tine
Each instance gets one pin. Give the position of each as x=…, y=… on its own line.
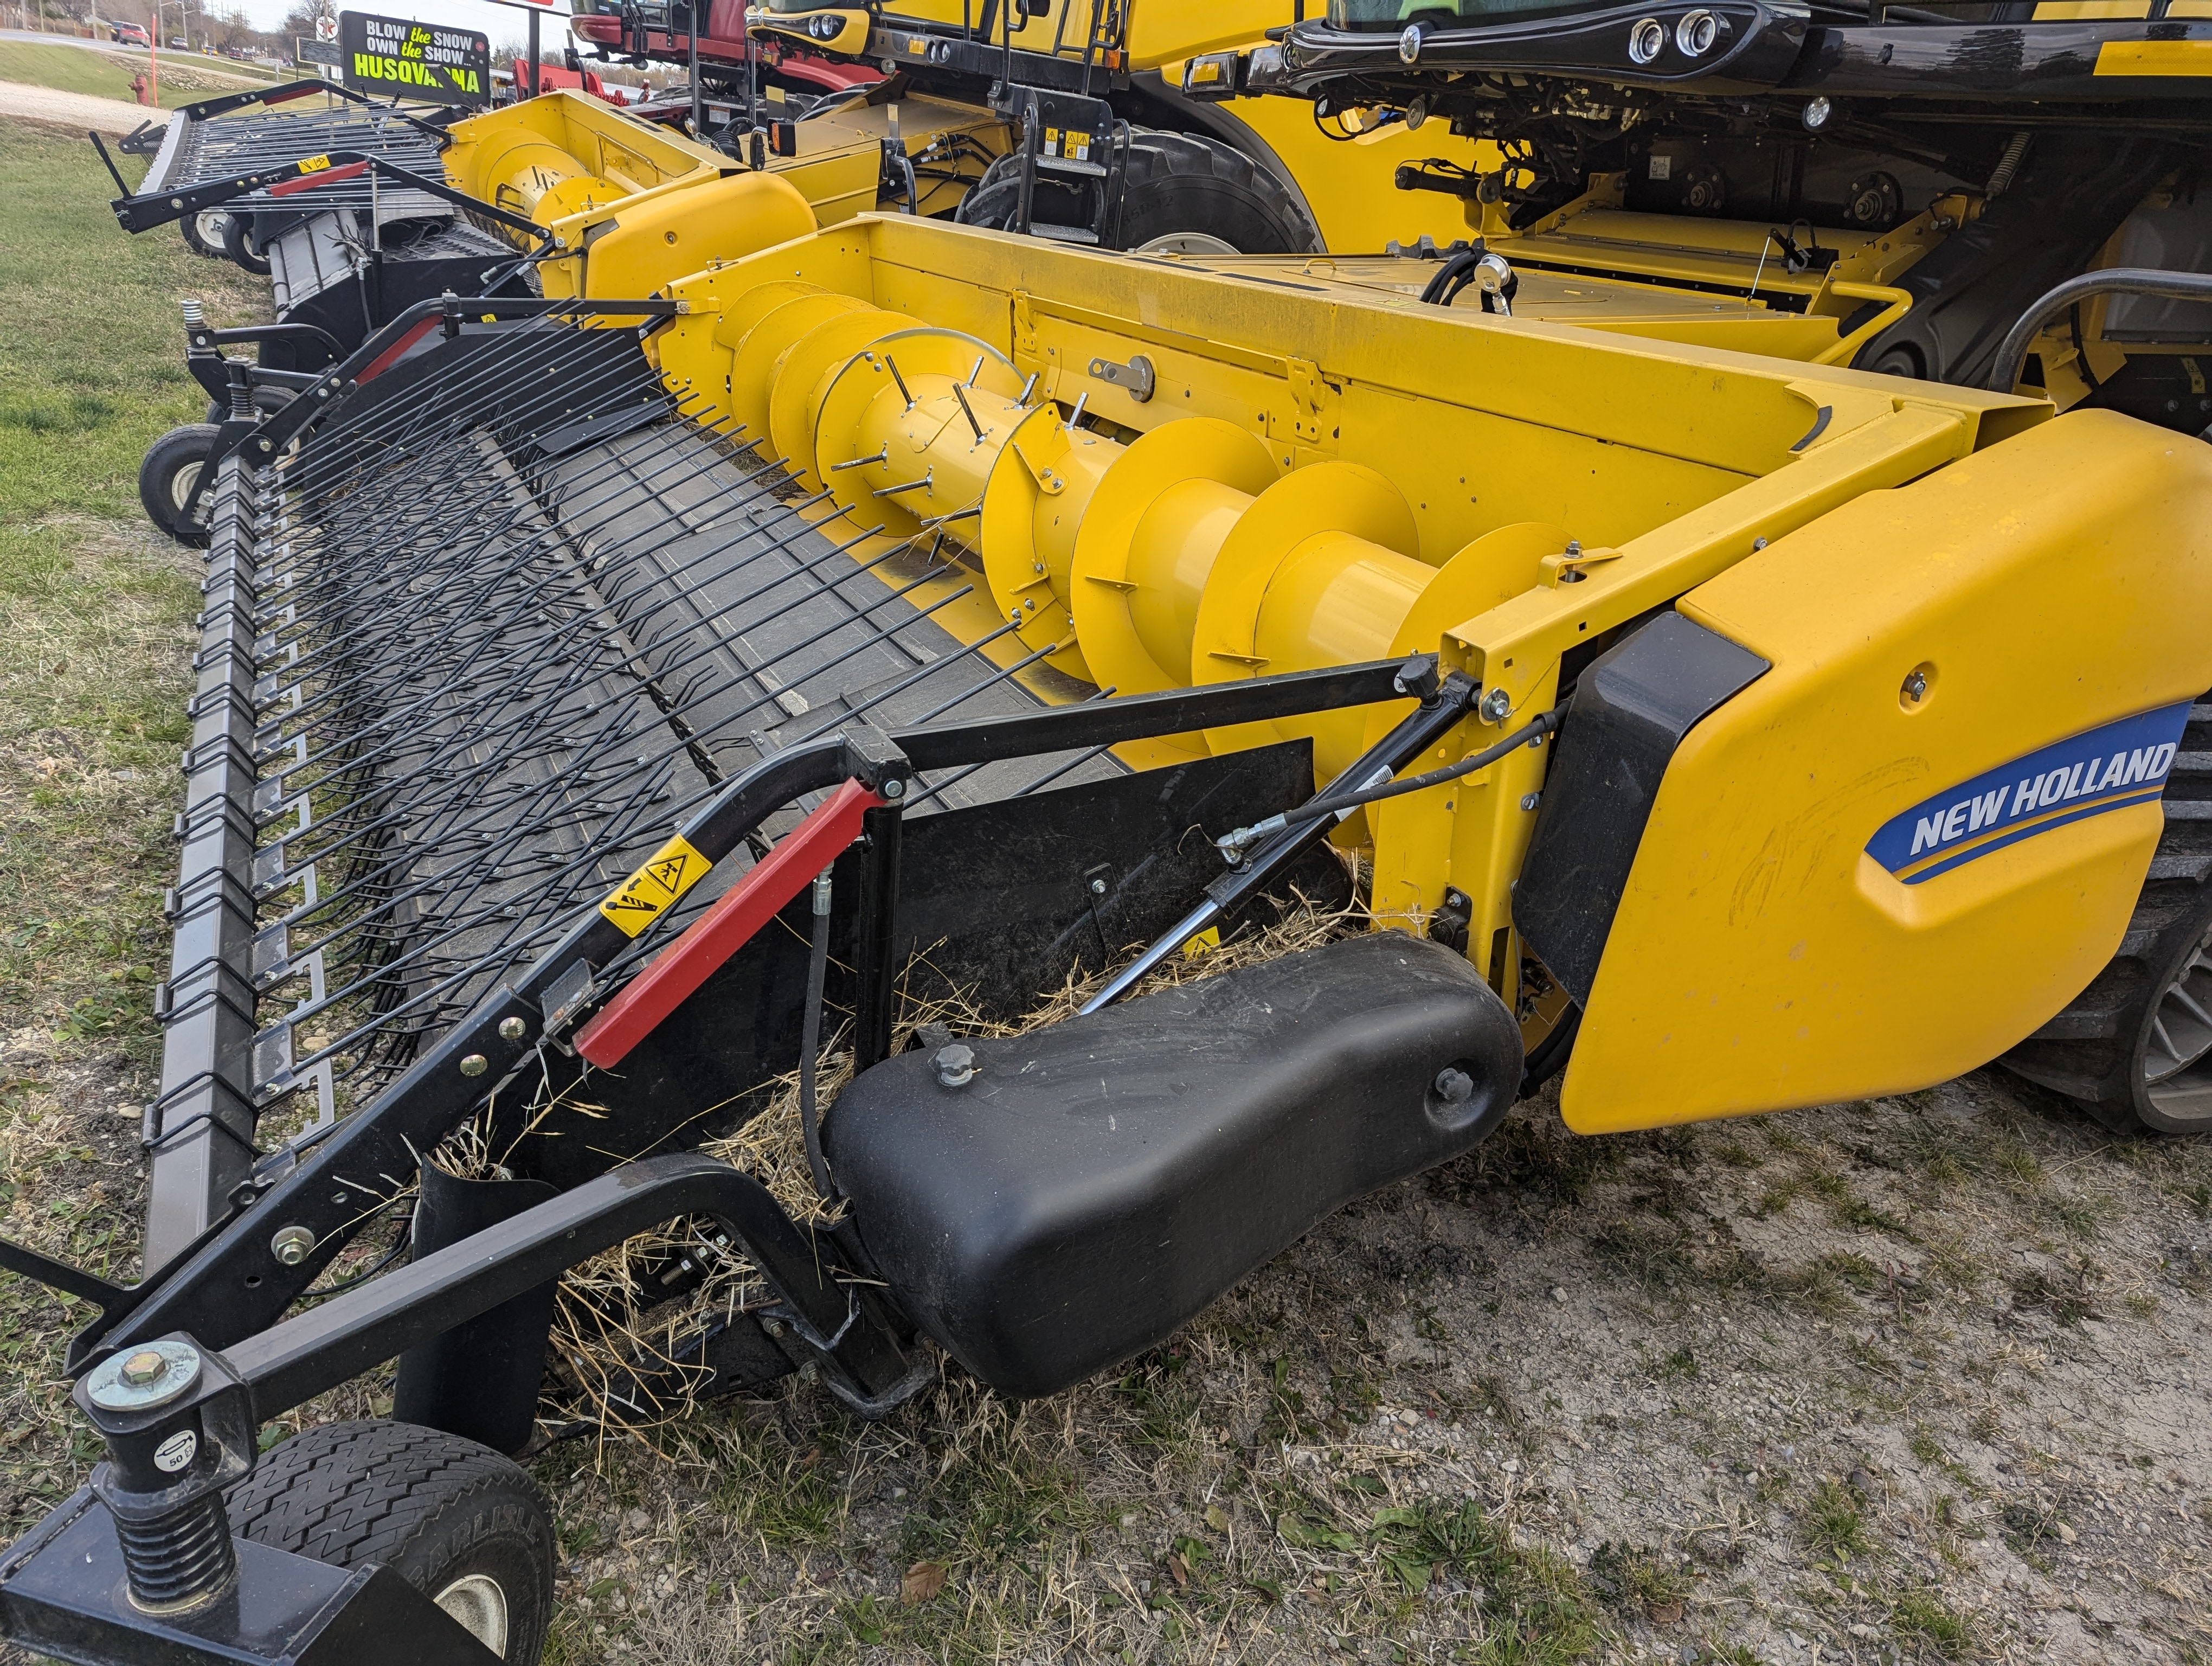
x=905, y=393
x=967, y=410
x=883, y=456
x=920, y=485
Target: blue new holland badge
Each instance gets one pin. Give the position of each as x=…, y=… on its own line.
x=2107, y=768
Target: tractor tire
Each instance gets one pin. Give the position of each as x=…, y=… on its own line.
x=1184, y=194
x=166, y=478
x=463, y=1525
x=2135, y=1047
x=235, y=246
x=203, y=233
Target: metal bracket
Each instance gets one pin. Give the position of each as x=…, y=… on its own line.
x=1136, y=377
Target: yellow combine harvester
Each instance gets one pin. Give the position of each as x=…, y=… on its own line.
x=1070, y=124
x=606, y=704
x=1895, y=189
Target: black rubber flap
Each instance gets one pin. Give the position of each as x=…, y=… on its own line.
x=478, y=1380
x=1630, y=710
x=1098, y=1182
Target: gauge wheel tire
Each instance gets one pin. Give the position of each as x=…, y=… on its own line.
x=1183, y=193
x=235, y=247
x=2136, y=1048
x=166, y=478
x=203, y=232
x=465, y=1527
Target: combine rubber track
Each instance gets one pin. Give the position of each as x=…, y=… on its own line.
x=470, y=654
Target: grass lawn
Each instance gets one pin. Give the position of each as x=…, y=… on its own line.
x=96, y=614
x=186, y=77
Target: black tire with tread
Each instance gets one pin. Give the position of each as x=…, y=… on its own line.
x=196, y=242
x=2092, y=1052
x=158, y=472
x=235, y=246
x=1176, y=183
x=432, y=1507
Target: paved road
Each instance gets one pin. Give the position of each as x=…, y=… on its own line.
x=81, y=111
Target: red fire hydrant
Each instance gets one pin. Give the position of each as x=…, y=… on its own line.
x=142, y=87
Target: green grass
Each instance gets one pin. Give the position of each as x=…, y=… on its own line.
x=97, y=612
x=108, y=75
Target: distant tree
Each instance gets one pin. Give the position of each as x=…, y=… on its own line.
x=299, y=23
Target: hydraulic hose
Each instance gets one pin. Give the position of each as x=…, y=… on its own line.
x=1341, y=806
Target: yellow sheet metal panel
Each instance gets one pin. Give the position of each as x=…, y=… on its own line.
x=1162, y=32
x=493, y=152
x=1349, y=185
x=1781, y=942
x=685, y=231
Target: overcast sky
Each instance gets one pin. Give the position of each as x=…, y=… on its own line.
x=500, y=22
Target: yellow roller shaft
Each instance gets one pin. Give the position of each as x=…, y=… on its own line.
x=1171, y=555
x=937, y=453
x=1184, y=557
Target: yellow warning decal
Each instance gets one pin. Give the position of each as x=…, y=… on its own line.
x=1202, y=944
x=655, y=888
x=2154, y=57
x=312, y=164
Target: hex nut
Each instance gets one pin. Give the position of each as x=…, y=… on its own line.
x=292, y=1244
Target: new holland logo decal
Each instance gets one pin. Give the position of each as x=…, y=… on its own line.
x=2107, y=768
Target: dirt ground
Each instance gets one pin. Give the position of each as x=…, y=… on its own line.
x=77, y=111
x=1918, y=1379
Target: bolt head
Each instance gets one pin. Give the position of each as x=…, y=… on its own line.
x=1530, y=801
x=511, y=1029
x=955, y=1065
x=474, y=1065
x=1097, y=887
x=291, y=1245
x=894, y=789
x=146, y=1377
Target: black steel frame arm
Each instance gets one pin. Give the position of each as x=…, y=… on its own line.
x=235, y=1285
x=144, y=212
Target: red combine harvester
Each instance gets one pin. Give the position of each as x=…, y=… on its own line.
x=661, y=32
x=552, y=78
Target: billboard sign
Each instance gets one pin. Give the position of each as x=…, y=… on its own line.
x=410, y=60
